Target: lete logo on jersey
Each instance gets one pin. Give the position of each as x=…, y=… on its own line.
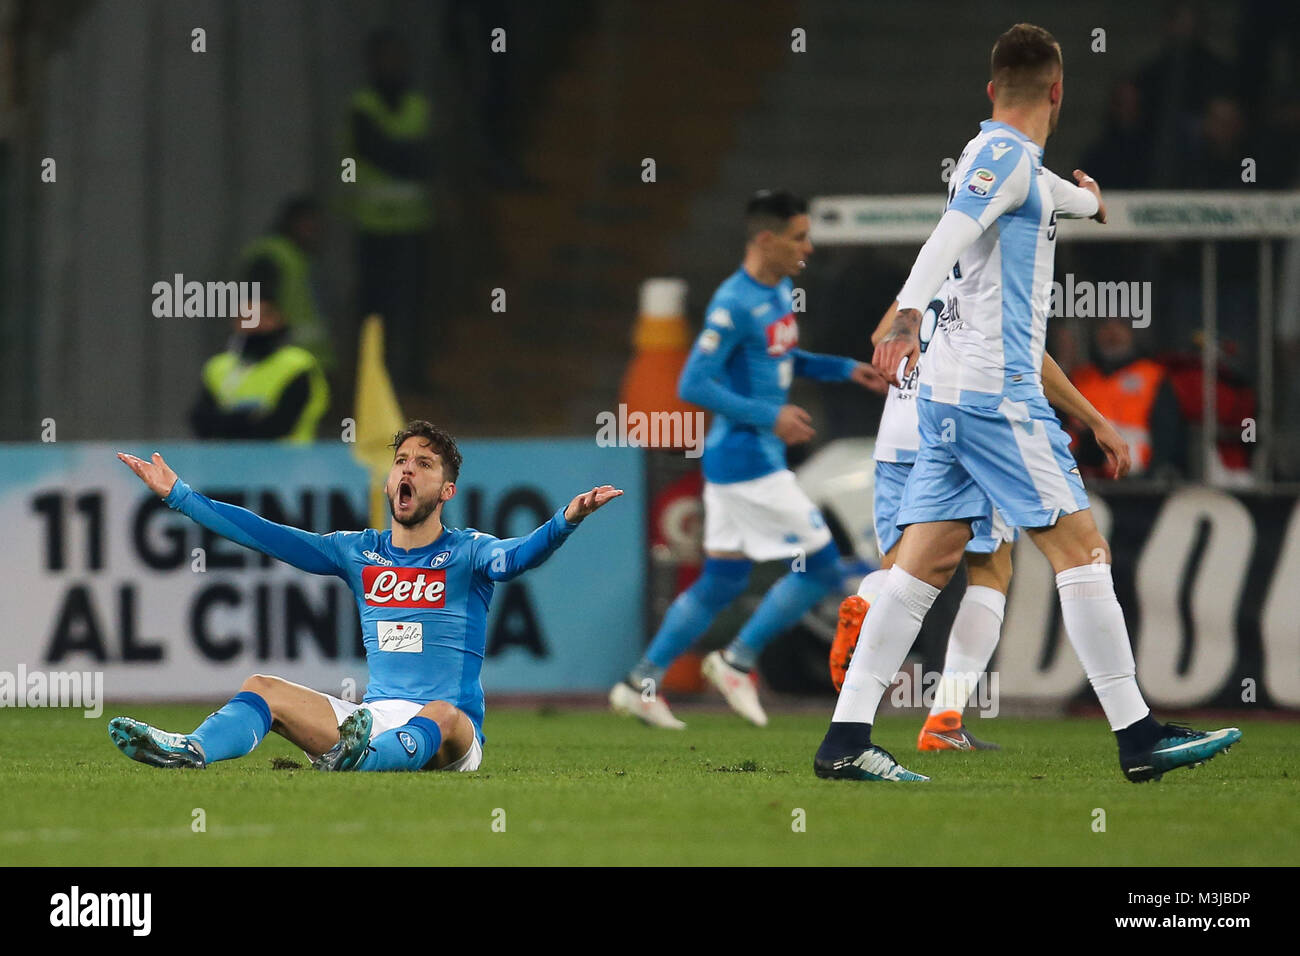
x=404, y=587
x=782, y=335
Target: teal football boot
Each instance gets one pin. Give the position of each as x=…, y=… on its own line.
x=354, y=739
x=155, y=747
x=874, y=763
x=1178, y=746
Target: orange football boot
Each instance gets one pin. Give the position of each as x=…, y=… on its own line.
x=943, y=731
x=852, y=611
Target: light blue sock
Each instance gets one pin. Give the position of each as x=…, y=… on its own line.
x=721, y=582
x=235, y=729
x=790, y=599
x=408, y=747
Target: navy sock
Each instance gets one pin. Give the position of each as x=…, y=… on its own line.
x=1141, y=736
x=844, y=738
x=235, y=729
x=408, y=747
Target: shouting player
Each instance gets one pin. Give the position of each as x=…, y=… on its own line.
x=977, y=625
x=423, y=592
x=988, y=437
x=740, y=369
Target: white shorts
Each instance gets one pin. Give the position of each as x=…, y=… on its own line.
x=391, y=714
x=766, y=519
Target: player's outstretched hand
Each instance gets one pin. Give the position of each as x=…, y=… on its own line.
x=1090, y=184
x=157, y=474
x=589, y=501
x=902, y=341
x=1113, y=444
x=793, y=425
x=865, y=374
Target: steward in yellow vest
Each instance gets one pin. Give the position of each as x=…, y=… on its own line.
x=261, y=387
x=288, y=251
x=389, y=133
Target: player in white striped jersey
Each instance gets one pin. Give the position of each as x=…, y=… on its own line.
x=978, y=623
x=989, y=439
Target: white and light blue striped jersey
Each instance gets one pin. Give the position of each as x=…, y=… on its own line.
x=897, y=438
x=989, y=341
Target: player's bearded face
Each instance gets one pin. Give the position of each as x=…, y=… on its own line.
x=415, y=487
x=408, y=507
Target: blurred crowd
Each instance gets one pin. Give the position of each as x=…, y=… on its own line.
x=1191, y=119
x=277, y=379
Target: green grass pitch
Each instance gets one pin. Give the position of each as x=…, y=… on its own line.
x=586, y=787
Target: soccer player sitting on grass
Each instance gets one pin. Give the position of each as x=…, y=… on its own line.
x=422, y=591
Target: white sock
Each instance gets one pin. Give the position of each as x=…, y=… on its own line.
x=1095, y=624
x=974, y=637
x=888, y=633
x=871, y=586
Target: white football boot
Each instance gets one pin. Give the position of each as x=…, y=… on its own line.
x=735, y=686
x=651, y=709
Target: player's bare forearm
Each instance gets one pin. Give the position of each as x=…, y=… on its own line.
x=589, y=501
x=900, y=342
x=885, y=324
x=906, y=322
x=1060, y=391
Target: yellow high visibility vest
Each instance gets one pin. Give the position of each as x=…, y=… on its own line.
x=380, y=202
x=235, y=383
x=297, y=301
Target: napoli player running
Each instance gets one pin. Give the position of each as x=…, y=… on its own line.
x=988, y=437
x=422, y=591
x=977, y=626
x=741, y=368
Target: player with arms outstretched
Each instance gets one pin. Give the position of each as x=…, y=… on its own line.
x=422, y=591
x=989, y=439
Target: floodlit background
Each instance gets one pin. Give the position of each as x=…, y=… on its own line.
x=555, y=157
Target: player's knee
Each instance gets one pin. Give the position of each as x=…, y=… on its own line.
x=824, y=565
x=445, y=715
x=947, y=557
x=261, y=684
x=721, y=582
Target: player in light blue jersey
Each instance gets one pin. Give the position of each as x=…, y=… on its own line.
x=740, y=369
x=989, y=439
x=422, y=591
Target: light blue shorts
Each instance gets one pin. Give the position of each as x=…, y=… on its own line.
x=1014, y=458
x=891, y=477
